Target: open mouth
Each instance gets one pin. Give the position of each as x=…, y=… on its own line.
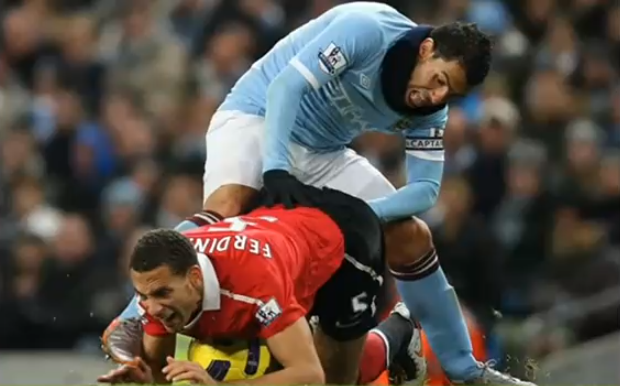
x=419, y=99
x=414, y=98
x=169, y=320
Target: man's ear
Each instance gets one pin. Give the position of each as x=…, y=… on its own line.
x=195, y=276
x=427, y=49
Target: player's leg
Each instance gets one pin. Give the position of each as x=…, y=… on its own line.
x=231, y=179
x=422, y=284
x=397, y=343
x=348, y=172
x=345, y=305
x=233, y=166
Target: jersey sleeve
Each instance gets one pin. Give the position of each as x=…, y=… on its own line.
x=348, y=40
x=268, y=298
x=425, y=158
x=425, y=140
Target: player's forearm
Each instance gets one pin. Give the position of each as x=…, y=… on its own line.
x=418, y=196
x=412, y=200
x=299, y=375
x=155, y=350
x=283, y=99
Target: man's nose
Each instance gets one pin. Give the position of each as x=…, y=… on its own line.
x=153, y=308
x=439, y=95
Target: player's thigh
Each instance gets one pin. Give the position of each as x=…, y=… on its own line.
x=349, y=172
x=234, y=151
x=355, y=175
x=346, y=305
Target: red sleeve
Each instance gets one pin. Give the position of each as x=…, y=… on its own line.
x=271, y=298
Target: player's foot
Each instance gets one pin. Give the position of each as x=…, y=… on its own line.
x=490, y=376
x=408, y=365
x=122, y=340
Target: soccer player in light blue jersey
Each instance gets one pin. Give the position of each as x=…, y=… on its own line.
x=358, y=67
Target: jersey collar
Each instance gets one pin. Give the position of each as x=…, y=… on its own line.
x=211, y=295
x=211, y=292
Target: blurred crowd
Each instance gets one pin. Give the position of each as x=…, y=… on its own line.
x=104, y=105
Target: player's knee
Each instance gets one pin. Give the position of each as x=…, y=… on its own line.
x=407, y=242
x=229, y=200
x=316, y=376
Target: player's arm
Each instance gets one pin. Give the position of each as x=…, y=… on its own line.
x=293, y=348
x=348, y=41
x=285, y=329
x=424, y=161
x=157, y=345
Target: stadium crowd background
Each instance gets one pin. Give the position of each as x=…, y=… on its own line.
x=104, y=105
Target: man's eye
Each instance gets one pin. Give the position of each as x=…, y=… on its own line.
x=161, y=293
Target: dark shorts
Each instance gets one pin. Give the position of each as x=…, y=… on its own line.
x=346, y=304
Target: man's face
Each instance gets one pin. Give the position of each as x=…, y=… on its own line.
x=171, y=299
x=434, y=81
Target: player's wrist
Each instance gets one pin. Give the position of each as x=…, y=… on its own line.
x=273, y=165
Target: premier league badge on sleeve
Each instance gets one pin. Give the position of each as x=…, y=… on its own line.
x=332, y=60
x=268, y=312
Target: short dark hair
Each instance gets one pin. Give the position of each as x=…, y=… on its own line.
x=163, y=247
x=467, y=44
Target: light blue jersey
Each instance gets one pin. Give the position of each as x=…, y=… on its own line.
x=320, y=87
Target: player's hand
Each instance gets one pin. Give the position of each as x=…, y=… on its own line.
x=280, y=187
x=177, y=371
x=140, y=373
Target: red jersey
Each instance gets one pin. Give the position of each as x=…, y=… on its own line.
x=261, y=271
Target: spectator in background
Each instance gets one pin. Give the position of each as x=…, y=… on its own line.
x=122, y=205
x=14, y=100
x=145, y=58
x=31, y=211
x=613, y=120
x=22, y=285
x=68, y=284
x=78, y=66
x=470, y=256
x=500, y=119
x=521, y=224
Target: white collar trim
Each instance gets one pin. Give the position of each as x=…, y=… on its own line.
x=211, y=294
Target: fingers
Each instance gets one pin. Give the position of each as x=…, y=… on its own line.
x=177, y=371
x=115, y=376
x=139, y=372
x=173, y=369
x=141, y=365
x=188, y=375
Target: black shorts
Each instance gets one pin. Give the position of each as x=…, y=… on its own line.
x=345, y=305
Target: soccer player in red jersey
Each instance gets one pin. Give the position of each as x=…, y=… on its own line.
x=260, y=276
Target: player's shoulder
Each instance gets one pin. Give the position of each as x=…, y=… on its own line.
x=376, y=17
